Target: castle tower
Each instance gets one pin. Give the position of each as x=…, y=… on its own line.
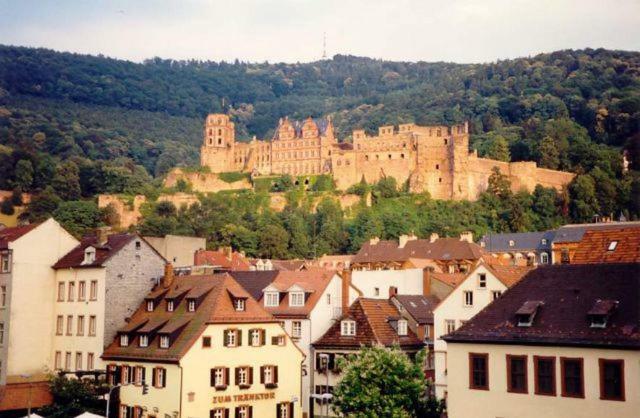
x=218, y=143
x=460, y=162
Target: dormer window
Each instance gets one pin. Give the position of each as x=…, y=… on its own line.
x=239, y=305
x=149, y=306
x=271, y=299
x=527, y=312
x=191, y=305
x=482, y=244
x=612, y=245
x=402, y=327
x=511, y=243
x=170, y=305
x=89, y=255
x=601, y=311
x=144, y=340
x=348, y=328
x=543, y=241
x=296, y=299
x=482, y=280
x=124, y=340
x=164, y=341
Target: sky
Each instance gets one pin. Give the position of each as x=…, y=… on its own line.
x=462, y=31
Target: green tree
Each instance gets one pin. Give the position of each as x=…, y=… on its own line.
x=386, y=187
x=499, y=184
x=72, y=397
x=382, y=382
x=43, y=205
x=78, y=216
x=584, y=204
x=549, y=153
x=7, y=208
x=23, y=175
x=273, y=240
x=66, y=181
x=498, y=149
x=544, y=206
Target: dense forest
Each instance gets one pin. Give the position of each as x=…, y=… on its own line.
x=72, y=126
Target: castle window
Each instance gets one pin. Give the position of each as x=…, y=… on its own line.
x=210, y=131
x=377, y=157
x=440, y=180
x=219, y=131
x=389, y=156
x=437, y=166
x=402, y=156
x=219, y=141
x=366, y=158
x=446, y=141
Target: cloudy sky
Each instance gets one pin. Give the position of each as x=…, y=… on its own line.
x=292, y=30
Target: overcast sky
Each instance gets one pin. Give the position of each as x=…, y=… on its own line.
x=292, y=30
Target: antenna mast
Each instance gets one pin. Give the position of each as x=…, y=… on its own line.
x=324, y=46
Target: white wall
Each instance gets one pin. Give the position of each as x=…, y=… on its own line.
x=408, y=282
x=453, y=308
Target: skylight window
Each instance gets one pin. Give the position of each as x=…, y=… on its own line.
x=527, y=312
x=612, y=245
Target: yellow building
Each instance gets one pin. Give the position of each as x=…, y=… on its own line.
x=563, y=342
x=205, y=348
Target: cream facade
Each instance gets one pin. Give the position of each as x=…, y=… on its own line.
x=177, y=249
x=497, y=401
x=377, y=284
x=188, y=390
x=455, y=310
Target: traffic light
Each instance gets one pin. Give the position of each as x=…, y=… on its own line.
x=145, y=388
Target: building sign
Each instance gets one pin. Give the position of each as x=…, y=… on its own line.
x=245, y=397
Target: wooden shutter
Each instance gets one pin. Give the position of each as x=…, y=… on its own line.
x=224, y=337
x=237, y=373
x=261, y=374
x=144, y=374
x=318, y=361
x=226, y=376
x=226, y=412
x=237, y=411
x=274, y=340
x=154, y=377
x=250, y=372
x=164, y=378
x=211, y=412
x=250, y=411
x=290, y=409
x=239, y=337
x=278, y=414
x=275, y=374
x=332, y=361
x=213, y=378
x=263, y=337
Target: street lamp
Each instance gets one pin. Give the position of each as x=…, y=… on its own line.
x=109, y=398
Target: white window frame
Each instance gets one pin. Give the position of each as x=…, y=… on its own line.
x=271, y=299
x=150, y=306
x=78, y=365
x=402, y=327
x=612, y=246
x=82, y=290
x=348, y=328
x=482, y=280
x=239, y=304
x=230, y=338
x=268, y=375
x=495, y=294
x=449, y=326
x=296, y=299
x=170, y=305
x=218, y=376
x=255, y=337
x=92, y=325
x=124, y=340
x=58, y=360
x=80, y=325
x=71, y=290
x=61, y=291
x=69, y=324
x=296, y=329
x=544, y=258
x=284, y=410
x=218, y=413
x=60, y=325
x=5, y=262
x=93, y=290
x=164, y=341
x=143, y=341
x=191, y=305
x=467, y=298
x=90, y=361
x=243, y=376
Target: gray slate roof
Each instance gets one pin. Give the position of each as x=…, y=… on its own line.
x=574, y=233
x=521, y=240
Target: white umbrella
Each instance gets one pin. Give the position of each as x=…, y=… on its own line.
x=33, y=416
x=89, y=415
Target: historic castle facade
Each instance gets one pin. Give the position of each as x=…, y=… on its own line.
x=431, y=158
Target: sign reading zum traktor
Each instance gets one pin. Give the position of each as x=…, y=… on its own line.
x=244, y=397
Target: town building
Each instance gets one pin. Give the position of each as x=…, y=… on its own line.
x=203, y=347
x=620, y=245
x=179, y=250
x=482, y=285
x=368, y=322
x=336, y=262
x=450, y=255
x=520, y=248
x=27, y=286
x=222, y=259
x=306, y=302
x=563, y=342
x=434, y=159
x=98, y=285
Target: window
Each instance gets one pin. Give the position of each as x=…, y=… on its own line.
x=328, y=298
x=496, y=294
x=206, y=342
x=80, y=328
x=482, y=280
x=232, y=337
x=1, y=333
x=544, y=258
x=244, y=376
x=478, y=371
x=219, y=377
x=278, y=340
x=78, y=361
x=376, y=291
x=93, y=290
x=269, y=376
x=449, y=325
x=402, y=327
x=71, y=290
x=92, y=326
x=58, y=360
x=191, y=305
x=69, y=324
x=144, y=340
x=239, y=304
x=149, y=306
x=348, y=328
x=124, y=340
x=138, y=245
x=244, y=411
x=255, y=337
x=218, y=413
x=612, y=380
x=164, y=341
x=544, y=372
x=564, y=256
x=3, y=296
x=543, y=241
x=285, y=410
x=612, y=245
x=159, y=378
x=296, y=329
x=67, y=360
x=516, y=374
x=170, y=306
x=572, y=377
x=5, y=263
x=89, y=255
x=82, y=290
x=511, y=243
x=296, y=299
x=138, y=375
x=59, y=325
x=90, y=358
x=468, y=298
x=271, y=299
x=61, y=292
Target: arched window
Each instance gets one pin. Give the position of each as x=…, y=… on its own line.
x=219, y=131
x=219, y=141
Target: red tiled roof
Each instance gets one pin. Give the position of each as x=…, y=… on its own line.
x=313, y=280
x=451, y=279
x=15, y=396
x=568, y=294
x=373, y=326
x=104, y=251
x=8, y=235
x=442, y=249
x=508, y=275
x=216, y=306
x=594, y=246
x=419, y=307
x=227, y=260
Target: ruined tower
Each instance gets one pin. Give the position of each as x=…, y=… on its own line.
x=219, y=140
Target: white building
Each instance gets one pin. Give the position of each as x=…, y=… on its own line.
x=484, y=284
x=381, y=284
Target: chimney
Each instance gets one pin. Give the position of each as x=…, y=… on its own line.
x=346, y=287
x=426, y=281
x=102, y=233
x=227, y=251
x=433, y=237
x=403, y=239
x=392, y=291
x=168, y=278
x=374, y=241
x=467, y=236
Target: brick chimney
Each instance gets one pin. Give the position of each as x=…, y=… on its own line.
x=102, y=233
x=392, y=291
x=426, y=281
x=346, y=286
x=467, y=236
x=374, y=241
x=433, y=237
x=403, y=239
x=169, y=277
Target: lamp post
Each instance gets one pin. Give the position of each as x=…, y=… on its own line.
x=109, y=398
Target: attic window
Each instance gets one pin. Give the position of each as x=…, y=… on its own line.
x=601, y=311
x=138, y=245
x=149, y=306
x=144, y=340
x=296, y=299
x=170, y=305
x=612, y=245
x=543, y=241
x=89, y=255
x=348, y=328
x=511, y=243
x=164, y=341
x=124, y=340
x=402, y=327
x=482, y=280
x=271, y=299
x=239, y=304
x=191, y=305
x=527, y=312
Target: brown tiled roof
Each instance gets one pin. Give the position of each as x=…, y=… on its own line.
x=568, y=293
x=508, y=275
x=373, y=326
x=226, y=260
x=216, y=306
x=594, y=246
x=254, y=281
x=313, y=280
x=451, y=279
x=15, y=396
x=419, y=307
x=8, y=235
x=288, y=265
x=104, y=251
x=442, y=249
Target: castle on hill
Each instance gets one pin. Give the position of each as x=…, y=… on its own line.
x=435, y=159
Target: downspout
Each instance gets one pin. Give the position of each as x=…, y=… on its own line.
x=181, y=383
